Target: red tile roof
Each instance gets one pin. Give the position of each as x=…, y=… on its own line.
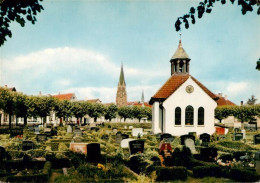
x=138, y=103
x=94, y=101
x=173, y=83
x=66, y=96
x=223, y=101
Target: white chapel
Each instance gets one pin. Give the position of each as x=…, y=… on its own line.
x=183, y=104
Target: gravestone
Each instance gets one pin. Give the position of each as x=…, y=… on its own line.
x=167, y=137
x=125, y=143
x=27, y=145
x=2, y=153
x=54, y=132
x=238, y=136
x=125, y=136
x=47, y=130
x=130, y=127
x=16, y=131
x=257, y=162
x=37, y=130
x=136, y=146
x=209, y=154
x=190, y=144
x=183, y=137
x=205, y=138
x=41, y=137
x=114, y=130
x=257, y=139
x=125, y=127
x=93, y=152
x=244, y=133
x=79, y=147
x=165, y=149
x=137, y=131
x=118, y=137
x=77, y=132
x=109, y=126
x=94, y=129
x=69, y=129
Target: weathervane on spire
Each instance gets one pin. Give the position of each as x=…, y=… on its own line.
x=180, y=36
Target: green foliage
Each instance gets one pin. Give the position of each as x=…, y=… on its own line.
x=207, y=171
x=13, y=10
x=243, y=175
x=171, y=173
x=252, y=100
x=111, y=111
x=96, y=111
x=125, y=112
x=207, y=6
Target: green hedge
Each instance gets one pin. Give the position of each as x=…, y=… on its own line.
x=207, y=171
x=171, y=173
x=147, y=125
x=244, y=175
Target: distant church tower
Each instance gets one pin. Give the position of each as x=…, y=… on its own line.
x=121, y=96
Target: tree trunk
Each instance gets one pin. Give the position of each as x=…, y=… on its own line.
x=16, y=121
x=0, y=119
x=60, y=121
x=25, y=121
x=242, y=125
x=95, y=119
x=10, y=121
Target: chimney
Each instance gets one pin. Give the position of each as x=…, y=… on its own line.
x=5, y=86
x=220, y=94
x=241, y=103
x=40, y=93
x=225, y=97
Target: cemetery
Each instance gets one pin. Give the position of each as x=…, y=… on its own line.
x=126, y=152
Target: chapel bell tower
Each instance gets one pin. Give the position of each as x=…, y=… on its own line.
x=180, y=61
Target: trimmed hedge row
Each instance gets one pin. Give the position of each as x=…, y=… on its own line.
x=171, y=173
x=236, y=174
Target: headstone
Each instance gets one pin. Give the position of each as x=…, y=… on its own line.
x=220, y=130
x=109, y=126
x=2, y=153
x=94, y=128
x=165, y=148
x=137, y=131
x=125, y=136
x=184, y=137
x=69, y=129
x=37, y=130
x=47, y=130
x=118, y=137
x=93, y=152
x=41, y=137
x=79, y=147
x=130, y=127
x=136, y=146
x=65, y=171
x=114, y=130
x=125, y=143
x=125, y=127
x=54, y=132
x=238, y=136
x=190, y=144
x=257, y=139
x=16, y=131
x=205, y=138
x=244, y=133
x=27, y=145
x=77, y=132
x=257, y=162
x=167, y=137
x=209, y=153
x=92, y=125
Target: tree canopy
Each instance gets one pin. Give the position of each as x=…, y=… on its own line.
x=19, y=11
x=206, y=6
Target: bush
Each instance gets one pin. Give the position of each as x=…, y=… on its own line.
x=171, y=173
x=28, y=178
x=226, y=157
x=207, y=171
x=243, y=175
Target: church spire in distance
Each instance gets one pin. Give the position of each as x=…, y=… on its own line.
x=121, y=95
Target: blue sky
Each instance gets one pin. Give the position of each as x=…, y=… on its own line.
x=78, y=46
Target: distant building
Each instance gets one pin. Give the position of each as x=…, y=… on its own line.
x=121, y=95
x=93, y=101
x=183, y=104
x=66, y=96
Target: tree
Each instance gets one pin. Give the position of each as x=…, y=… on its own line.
x=96, y=111
x=63, y=109
x=79, y=109
x=258, y=65
x=252, y=100
x=22, y=106
x=125, y=112
x=17, y=10
x=7, y=103
x=223, y=112
x=110, y=111
x=139, y=112
x=207, y=5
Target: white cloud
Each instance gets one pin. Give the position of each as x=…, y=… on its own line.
x=236, y=88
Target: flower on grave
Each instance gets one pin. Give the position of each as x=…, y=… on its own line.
x=100, y=166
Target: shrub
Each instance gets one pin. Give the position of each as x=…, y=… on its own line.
x=47, y=168
x=243, y=175
x=171, y=173
x=207, y=171
x=226, y=157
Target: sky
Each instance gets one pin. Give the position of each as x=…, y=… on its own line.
x=79, y=45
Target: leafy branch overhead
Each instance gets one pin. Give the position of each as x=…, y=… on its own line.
x=207, y=6
x=19, y=11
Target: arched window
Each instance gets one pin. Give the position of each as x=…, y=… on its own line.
x=177, y=116
x=201, y=116
x=189, y=115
